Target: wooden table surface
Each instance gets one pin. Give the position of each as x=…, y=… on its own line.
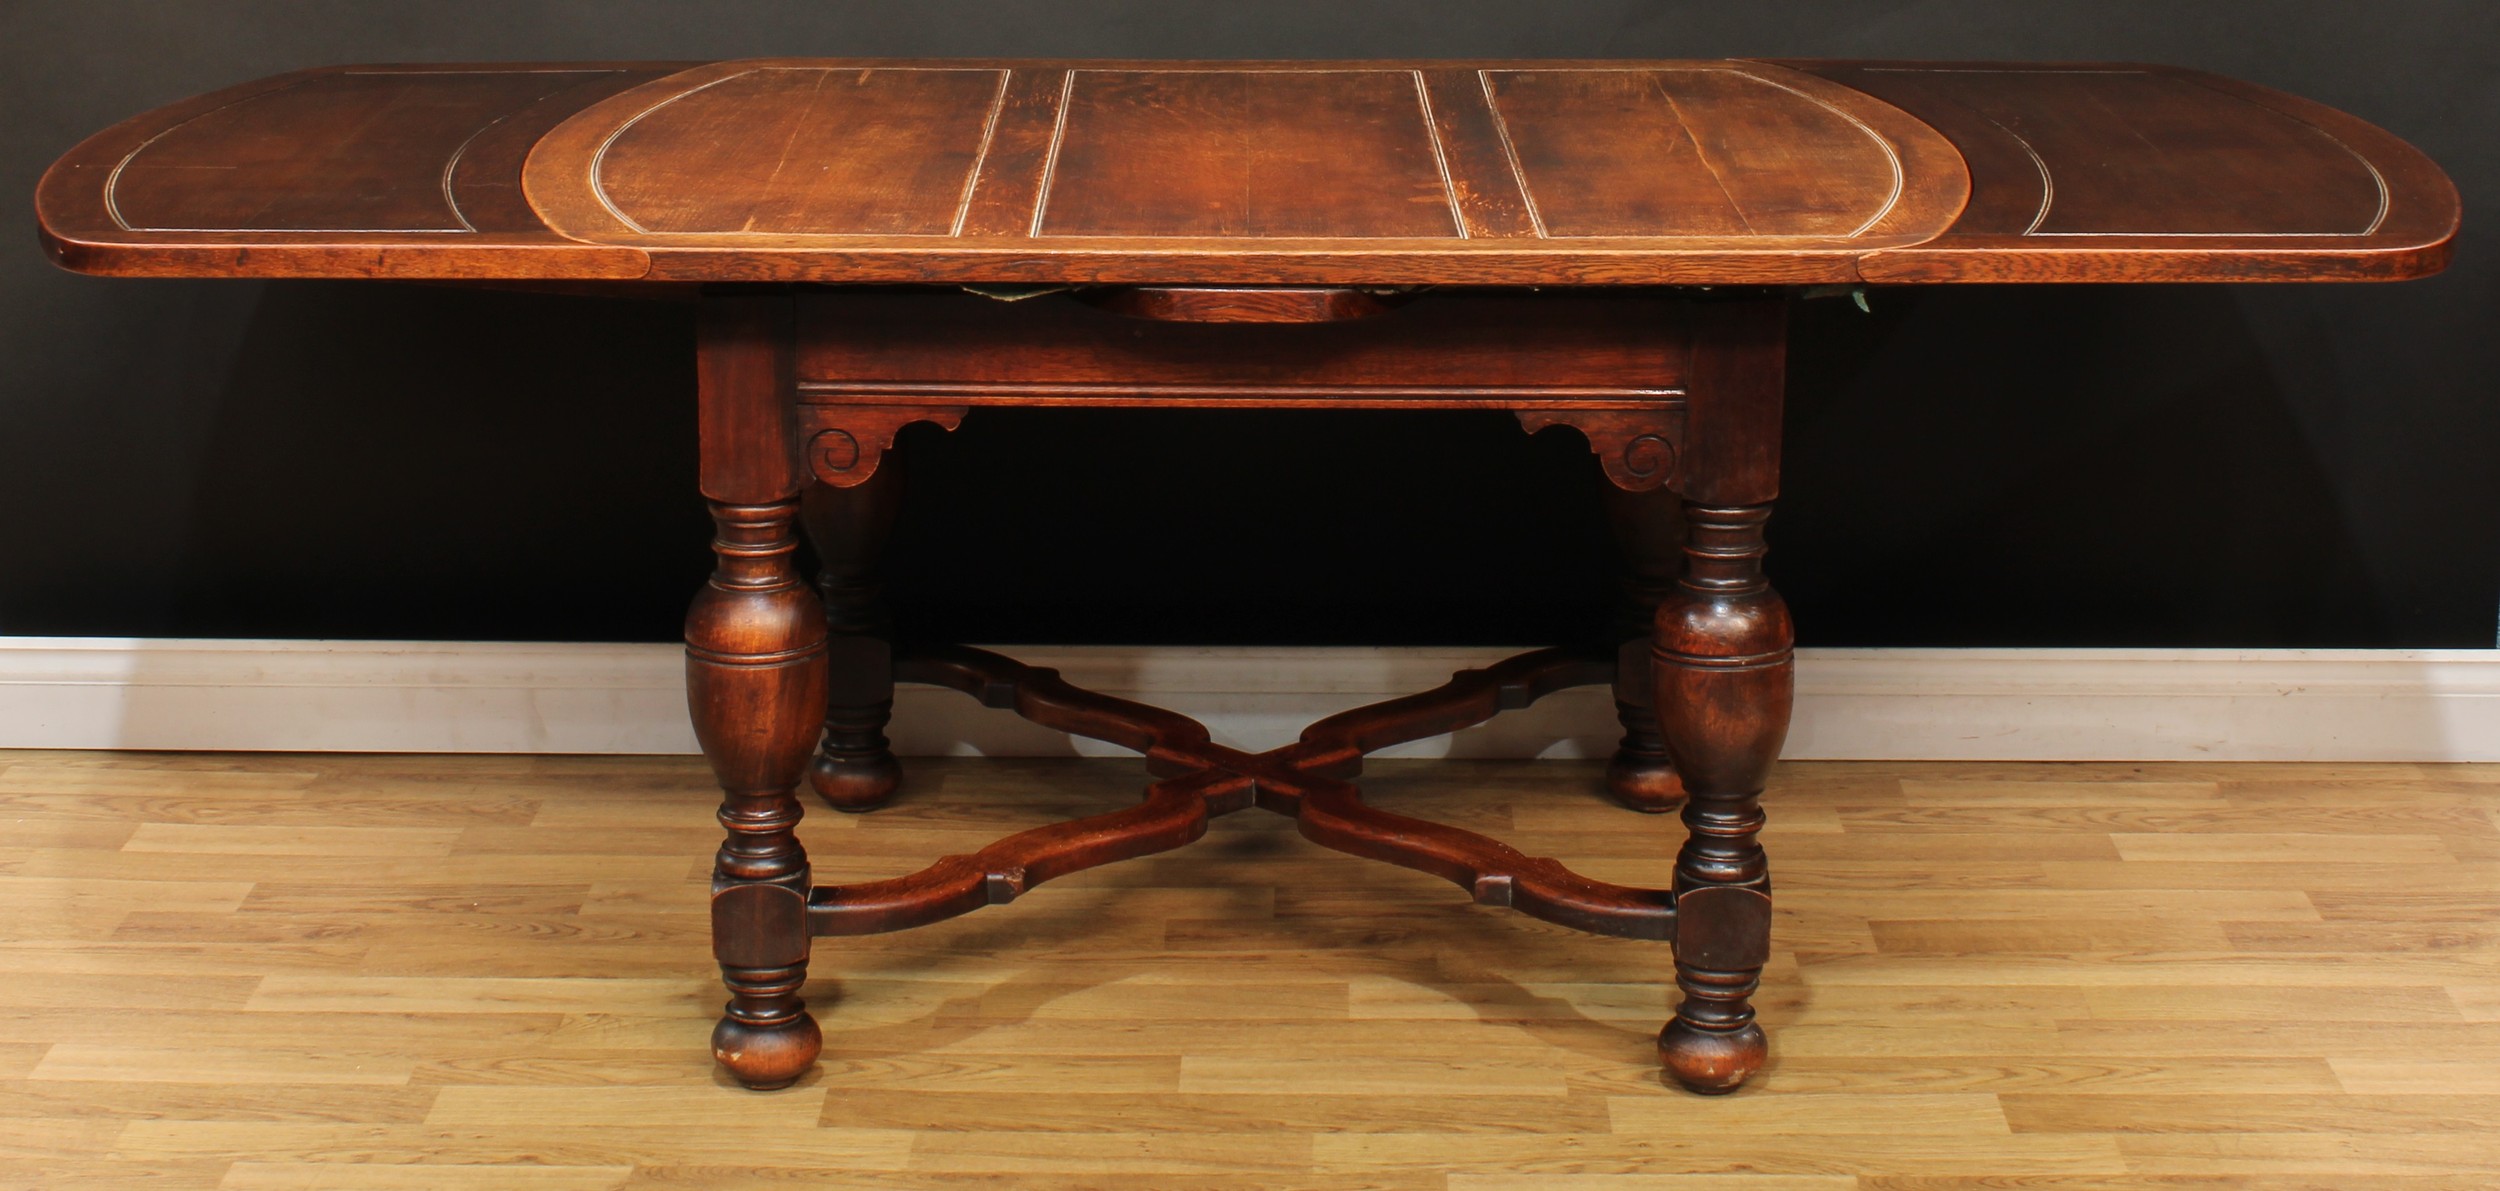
x=1352, y=173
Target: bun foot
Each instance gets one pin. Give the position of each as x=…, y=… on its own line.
x=1710, y=1062
x=1645, y=783
x=764, y=1057
x=855, y=784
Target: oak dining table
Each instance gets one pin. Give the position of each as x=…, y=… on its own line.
x=1609, y=246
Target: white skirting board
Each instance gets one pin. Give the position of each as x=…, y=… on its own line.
x=1900, y=704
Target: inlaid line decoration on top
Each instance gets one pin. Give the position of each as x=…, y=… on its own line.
x=453, y=163
x=2386, y=200
x=1510, y=153
x=981, y=156
x=196, y=202
x=599, y=156
x=452, y=166
x=2048, y=179
x=1440, y=157
x=963, y=207
x=1050, y=160
x=1892, y=156
x=112, y=179
x=1519, y=174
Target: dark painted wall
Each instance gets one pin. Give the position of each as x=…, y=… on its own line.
x=2160, y=465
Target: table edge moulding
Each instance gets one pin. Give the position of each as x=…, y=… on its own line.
x=1606, y=245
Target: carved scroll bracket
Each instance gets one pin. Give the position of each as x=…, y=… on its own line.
x=844, y=443
x=1641, y=449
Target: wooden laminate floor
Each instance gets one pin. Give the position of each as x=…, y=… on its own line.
x=256, y=971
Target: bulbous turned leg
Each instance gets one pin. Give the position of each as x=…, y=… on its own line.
x=1649, y=534
x=854, y=769
x=766, y=1038
x=1725, y=683
x=1640, y=775
x=1713, y=1045
x=755, y=682
x=855, y=772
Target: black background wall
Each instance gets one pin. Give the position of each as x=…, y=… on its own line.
x=2312, y=466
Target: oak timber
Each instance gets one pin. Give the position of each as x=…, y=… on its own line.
x=1736, y=172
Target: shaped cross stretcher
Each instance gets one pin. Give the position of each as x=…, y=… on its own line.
x=1307, y=781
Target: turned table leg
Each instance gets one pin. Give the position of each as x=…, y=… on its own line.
x=755, y=684
x=1726, y=679
x=1649, y=535
x=855, y=770
x=755, y=679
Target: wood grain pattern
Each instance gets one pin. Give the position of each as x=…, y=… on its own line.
x=756, y=685
x=1237, y=154
x=1483, y=183
x=1217, y=154
x=1008, y=185
x=2119, y=172
x=1276, y=173
x=351, y=151
x=788, y=149
x=437, y=154
x=2213, y=164
x=872, y=361
x=1259, y=173
x=1694, y=152
x=466, y=1021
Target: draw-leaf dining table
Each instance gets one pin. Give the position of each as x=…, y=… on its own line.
x=1606, y=245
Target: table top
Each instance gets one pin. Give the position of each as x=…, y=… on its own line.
x=1738, y=172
